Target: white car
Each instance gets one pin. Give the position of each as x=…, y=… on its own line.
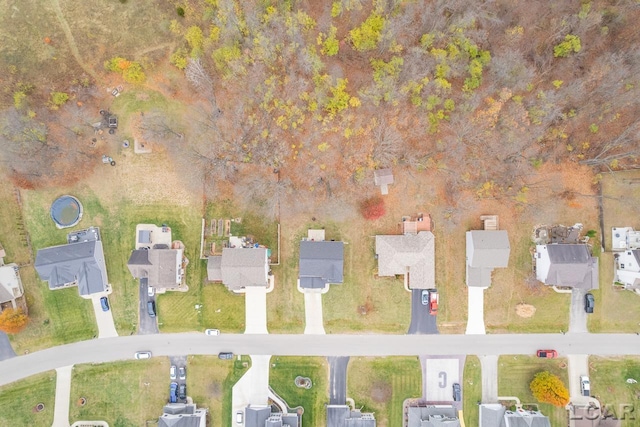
x=142, y=355
x=150, y=291
x=212, y=332
x=172, y=372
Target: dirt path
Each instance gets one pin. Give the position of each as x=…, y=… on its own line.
x=152, y=48
x=72, y=43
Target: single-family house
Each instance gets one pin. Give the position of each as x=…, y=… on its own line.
x=10, y=285
x=262, y=416
x=79, y=263
x=628, y=268
x=624, y=238
x=486, y=250
x=432, y=416
x=496, y=415
x=383, y=178
x=411, y=255
x=321, y=262
x=566, y=265
x=344, y=416
x=239, y=268
x=183, y=415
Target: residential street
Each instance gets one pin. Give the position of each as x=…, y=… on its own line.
x=123, y=348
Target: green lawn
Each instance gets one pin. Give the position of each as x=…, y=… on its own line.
x=609, y=384
x=472, y=390
x=210, y=381
x=18, y=401
x=282, y=376
x=515, y=374
x=381, y=385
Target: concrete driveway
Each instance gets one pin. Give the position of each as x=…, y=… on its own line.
x=577, y=317
x=439, y=373
x=256, y=310
x=475, y=319
x=578, y=365
x=147, y=324
x=104, y=319
x=421, y=321
x=313, y=321
x=6, y=351
x=489, y=367
x=253, y=387
x=63, y=397
x=338, y=380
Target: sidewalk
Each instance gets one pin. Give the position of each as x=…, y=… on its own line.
x=63, y=397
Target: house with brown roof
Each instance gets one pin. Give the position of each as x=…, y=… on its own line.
x=383, y=178
x=240, y=268
x=410, y=255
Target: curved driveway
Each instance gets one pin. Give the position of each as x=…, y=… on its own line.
x=120, y=348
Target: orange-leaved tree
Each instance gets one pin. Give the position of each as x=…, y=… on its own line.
x=13, y=321
x=548, y=388
x=372, y=208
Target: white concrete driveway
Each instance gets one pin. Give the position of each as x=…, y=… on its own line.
x=256, y=310
x=439, y=375
x=475, y=319
x=313, y=313
x=253, y=387
x=578, y=365
x=63, y=397
x=489, y=366
x=577, y=316
x=104, y=319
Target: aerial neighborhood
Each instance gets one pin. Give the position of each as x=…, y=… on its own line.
x=349, y=213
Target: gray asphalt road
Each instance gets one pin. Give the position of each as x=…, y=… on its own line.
x=338, y=380
x=6, y=351
x=577, y=316
x=123, y=348
x=421, y=321
x=147, y=324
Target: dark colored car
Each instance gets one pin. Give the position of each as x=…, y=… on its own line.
x=173, y=392
x=151, y=308
x=589, y=303
x=457, y=393
x=225, y=356
x=182, y=391
x=548, y=354
x=104, y=302
x=182, y=373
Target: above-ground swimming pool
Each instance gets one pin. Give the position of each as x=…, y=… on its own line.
x=66, y=211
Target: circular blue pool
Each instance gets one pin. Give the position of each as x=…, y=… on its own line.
x=66, y=211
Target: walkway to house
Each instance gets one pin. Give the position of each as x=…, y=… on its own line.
x=489, y=367
x=256, y=310
x=475, y=321
x=104, y=319
x=253, y=387
x=313, y=313
x=63, y=397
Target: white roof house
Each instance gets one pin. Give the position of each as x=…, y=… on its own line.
x=623, y=238
x=567, y=265
x=628, y=268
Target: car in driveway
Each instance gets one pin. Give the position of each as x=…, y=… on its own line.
x=150, y=291
x=589, y=303
x=424, y=297
x=548, y=354
x=182, y=391
x=151, y=308
x=173, y=392
x=457, y=393
x=433, y=302
x=212, y=332
x=239, y=417
x=225, y=355
x=182, y=373
x=142, y=355
x=585, y=386
x=172, y=372
x=104, y=303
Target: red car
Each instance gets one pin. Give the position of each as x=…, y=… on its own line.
x=433, y=302
x=548, y=354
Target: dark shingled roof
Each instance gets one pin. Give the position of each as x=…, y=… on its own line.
x=321, y=263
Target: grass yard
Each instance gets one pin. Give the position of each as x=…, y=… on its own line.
x=210, y=381
x=381, y=385
x=282, y=376
x=515, y=374
x=18, y=401
x=472, y=390
x=113, y=389
x=609, y=384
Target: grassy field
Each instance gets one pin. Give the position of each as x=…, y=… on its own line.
x=472, y=390
x=609, y=384
x=18, y=401
x=282, y=376
x=113, y=389
x=381, y=385
x=516, y=372
x=209, y=383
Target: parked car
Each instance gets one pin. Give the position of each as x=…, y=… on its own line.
x=585, y=385
x=549, y=354
x=173, y=392
x=104, y=302
x=151, y=308
x=142, y=355
x=457, y=393
x=212, y=332
x=225, y=355
x=589, y=302
x=182, y=373
x=239, y=417
x=172, y=372
x=433, y=302
x=150, y=291
x=182, y=391
x=425, y=297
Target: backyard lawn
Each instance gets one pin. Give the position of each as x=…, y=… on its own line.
x=472, y=390
x=515, y=373
x=18, y=401
x=609, y=384
x=381, y=385
x=282, y=375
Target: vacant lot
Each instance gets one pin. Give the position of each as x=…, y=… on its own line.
x=381, y=385
x=472, y=390
x=143, y=385
x=19, y=400
x=515, y=373
x=282, y=375
x=609, y=384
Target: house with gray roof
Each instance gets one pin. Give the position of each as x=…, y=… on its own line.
x=261, y=416
x=411, y=255
x=383, y=178
x=10, y=285
x=161, y=267
x=321, y=264
x=239, y=268
x=432, y=416
x=496, y=415
x=344, y=416
x=567, y=265
x=486, y=250
x=183, y=415
x=78, y=263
